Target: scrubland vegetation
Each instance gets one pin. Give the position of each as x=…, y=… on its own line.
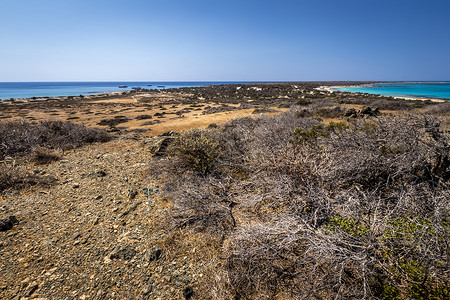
x=352, y=209
x=341, y=196
x=40, y=143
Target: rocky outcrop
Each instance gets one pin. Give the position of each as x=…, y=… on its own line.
x=158, y=145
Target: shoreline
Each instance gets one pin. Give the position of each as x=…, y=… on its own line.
x=332, y=89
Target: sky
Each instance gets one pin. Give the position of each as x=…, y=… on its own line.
x=199, y=40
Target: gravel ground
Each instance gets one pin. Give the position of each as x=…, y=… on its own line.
x=93, y=234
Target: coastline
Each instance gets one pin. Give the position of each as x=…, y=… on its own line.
x=334, y=88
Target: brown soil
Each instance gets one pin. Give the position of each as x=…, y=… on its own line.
x=166, y=111
x=90, y=235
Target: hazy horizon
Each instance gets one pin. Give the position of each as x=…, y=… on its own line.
x=324, y=40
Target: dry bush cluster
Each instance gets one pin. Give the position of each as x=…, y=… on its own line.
x=39, y=142
x=12, y=176
x=307, y=210
x=20, y=138
x=441, y=109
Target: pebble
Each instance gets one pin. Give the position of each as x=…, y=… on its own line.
x=153, y=254
x=48, y=243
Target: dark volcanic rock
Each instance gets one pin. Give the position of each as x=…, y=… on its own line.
x=369, y=111
x=188, y=292
x=351, y=113
x=8, y=223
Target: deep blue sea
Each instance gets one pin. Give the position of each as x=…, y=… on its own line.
x=435, y=90
x=54, y=89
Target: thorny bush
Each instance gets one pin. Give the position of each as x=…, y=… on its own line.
x=308, y=210
x=20, y=138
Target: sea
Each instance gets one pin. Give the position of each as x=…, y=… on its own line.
x=429, y=90
x=20, y=90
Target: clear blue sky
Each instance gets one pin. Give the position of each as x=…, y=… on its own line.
x=103, y=40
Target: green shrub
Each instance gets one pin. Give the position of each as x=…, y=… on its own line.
x=196, y=149
x=305, y=136
x=348, y=225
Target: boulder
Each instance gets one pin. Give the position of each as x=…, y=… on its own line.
x=369, y=111
x=159, y=144
x=351, y=113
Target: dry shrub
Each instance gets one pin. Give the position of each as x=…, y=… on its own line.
x=143, y=117
x=382, y=104
x=441, y=109
x=42, y=155
x=197, y=150
x=370, y=216
x=330, y=112
x=19, y=138
x=9, y=176
x=385, y=152
x=394, y=104
x=358, y=211
x=113, y=122
x=14, y=177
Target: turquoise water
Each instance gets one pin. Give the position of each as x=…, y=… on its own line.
x=19, y=90
x=433, y=90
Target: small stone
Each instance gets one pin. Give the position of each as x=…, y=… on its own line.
x=153, y=254
x=167, y=278
x=132, y=193
x=76, y=235
x=188, y=292
x=75, y=186
x=101, y=173
x=147, y=290
x=8, y=223
x=33, y=288
x=98, y=197
x=48, y=243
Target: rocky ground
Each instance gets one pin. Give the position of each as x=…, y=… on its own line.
x=101, y=229
x=93, y=233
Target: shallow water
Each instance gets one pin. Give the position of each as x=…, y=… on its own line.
x=433, y=90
